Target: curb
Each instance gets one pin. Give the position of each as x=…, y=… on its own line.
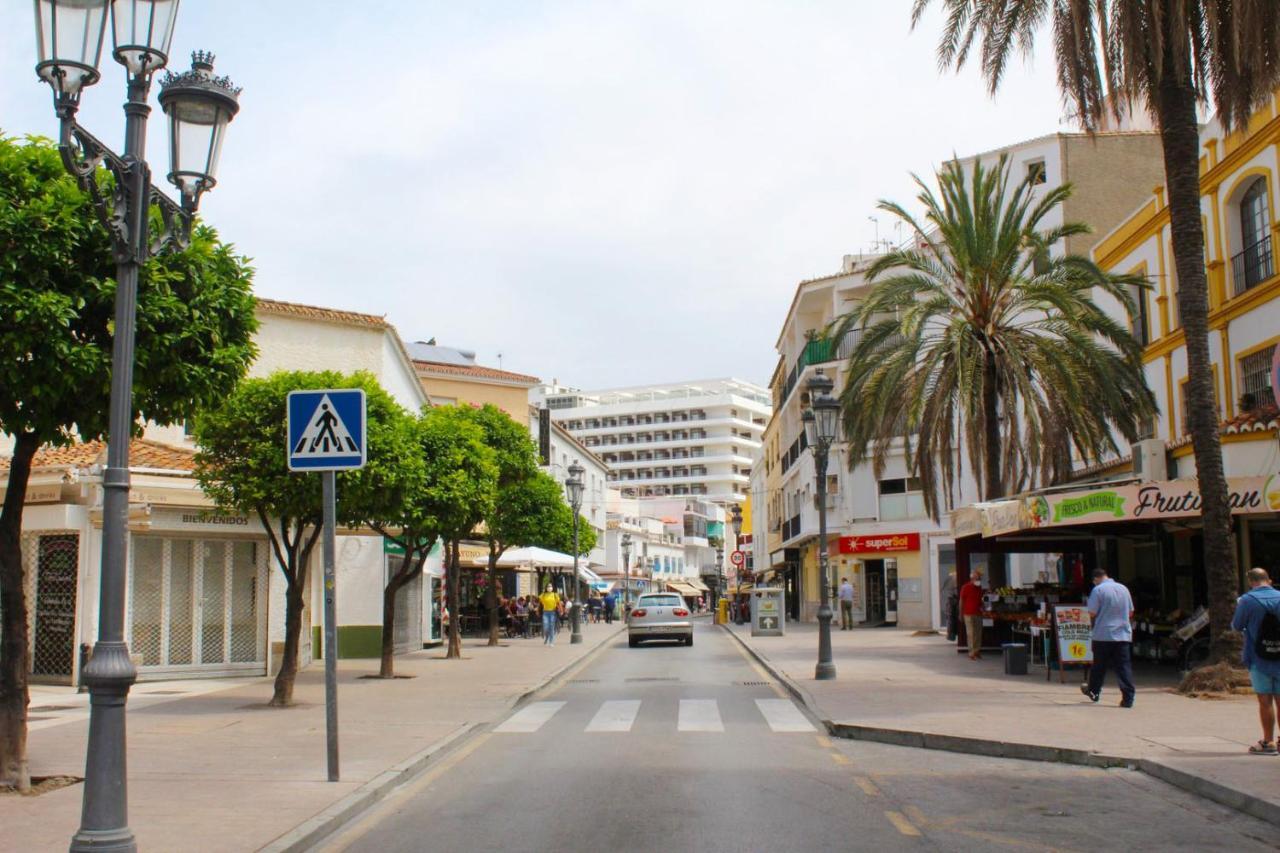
x=307, y=834
x=329, y=820
x=1198, y=785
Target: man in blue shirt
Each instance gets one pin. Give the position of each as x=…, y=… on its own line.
x=1112, y=612
x=1263, y=673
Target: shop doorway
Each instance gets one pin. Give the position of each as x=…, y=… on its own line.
x=875, y=592
x=407, y=636
x=197, y=607
x=57, y=560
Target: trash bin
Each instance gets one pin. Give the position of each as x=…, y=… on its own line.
x=1015, y=659
x=722, y=612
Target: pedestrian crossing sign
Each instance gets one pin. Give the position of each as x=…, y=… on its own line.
x=326, y=429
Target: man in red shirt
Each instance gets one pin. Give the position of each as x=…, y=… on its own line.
x=971, y=612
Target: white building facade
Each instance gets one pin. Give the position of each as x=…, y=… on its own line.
x=696, y=439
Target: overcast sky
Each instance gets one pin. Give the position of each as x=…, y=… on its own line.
x=607, y=193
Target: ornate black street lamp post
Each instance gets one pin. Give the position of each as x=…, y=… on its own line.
x=69, y=39
x=736, y=521
x=626, y=568
x=574, y=486
x=821, y=423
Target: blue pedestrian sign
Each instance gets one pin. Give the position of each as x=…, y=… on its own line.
x=326, y=430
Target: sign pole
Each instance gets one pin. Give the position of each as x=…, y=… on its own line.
x=330, y=624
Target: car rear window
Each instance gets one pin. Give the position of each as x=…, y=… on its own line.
x=661, y=601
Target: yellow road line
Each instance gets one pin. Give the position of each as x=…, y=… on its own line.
x=839, y=758
x=824, y=741
x=868, y=787
x=916, y=815
x=901, y=823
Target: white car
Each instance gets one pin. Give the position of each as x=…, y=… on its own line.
x=659, y=616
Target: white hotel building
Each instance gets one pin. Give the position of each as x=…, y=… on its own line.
x=697, y=438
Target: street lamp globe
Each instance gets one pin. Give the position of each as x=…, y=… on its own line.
x=810, y=425
x=626, y=549
x=69, y=35
x=199, y=106
x=574, y=485
x=736, y=520
x=143, y=31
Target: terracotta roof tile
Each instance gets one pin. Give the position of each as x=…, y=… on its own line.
x=476, y=371
x=1261, y=419
x=143, y=453
x=314, y=312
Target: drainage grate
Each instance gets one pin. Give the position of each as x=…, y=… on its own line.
x=584, y=681
x=652, y=678
x=164, y=693
x=755, y=683
x=38, y=708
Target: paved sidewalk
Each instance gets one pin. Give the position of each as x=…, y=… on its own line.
x=218, y=769
x=896, y=687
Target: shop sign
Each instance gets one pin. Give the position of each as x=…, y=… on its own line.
x=1075, y=634
x=199, y=519
x=1144, y=501
x=395, y=549
x=49, y=493
x=880, y=543
x=1001, y=517
x=966, y=521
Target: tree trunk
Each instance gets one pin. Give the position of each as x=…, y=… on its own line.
x=387, y=669
x=491, y=593
x=282, y=697
x=455, y=618
x=15, y=642
x=1180, y=139
x=992, y=444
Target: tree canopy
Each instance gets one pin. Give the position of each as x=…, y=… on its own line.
x=978, y=336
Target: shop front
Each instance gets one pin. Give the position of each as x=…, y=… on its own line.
x=1040, y=550
x=886, y=573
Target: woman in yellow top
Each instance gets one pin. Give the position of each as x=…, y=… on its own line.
x=550, y=600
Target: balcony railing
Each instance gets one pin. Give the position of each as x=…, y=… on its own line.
x=791, y=528
x=1253, y=266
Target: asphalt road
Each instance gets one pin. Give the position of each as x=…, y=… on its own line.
x=668, y=748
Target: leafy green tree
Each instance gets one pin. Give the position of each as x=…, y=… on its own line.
x=1170, y=56
x=459, y=518
x=57, y=292
x=517, y=461
x=528, y=512
x=445, y=470
x=242, y=464
x=980, y=338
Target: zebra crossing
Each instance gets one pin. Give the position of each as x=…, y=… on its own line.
x=692, y=715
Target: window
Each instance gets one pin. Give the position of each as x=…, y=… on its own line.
x=901, y=498
x=1255, y=263
x=1255, y=376
x=1139, y=323
x=1036, y=173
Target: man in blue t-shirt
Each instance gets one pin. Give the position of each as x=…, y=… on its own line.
x=1264, y=674
x=1112, y=610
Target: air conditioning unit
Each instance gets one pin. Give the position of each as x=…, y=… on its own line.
x=1149, y=460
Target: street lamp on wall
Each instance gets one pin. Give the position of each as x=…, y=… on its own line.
x=574, y=486
x=69, y=39
x=822, y=424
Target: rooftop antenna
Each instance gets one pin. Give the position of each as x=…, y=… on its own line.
x=499, y=361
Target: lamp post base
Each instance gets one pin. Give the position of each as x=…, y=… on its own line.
x=576, y=619
x=826, y=668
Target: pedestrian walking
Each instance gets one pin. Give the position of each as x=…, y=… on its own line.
x=1258, y=618
x=971, y=613
x=551, y=604
x=1111, y=607
x=610, y=602
x=846, y=605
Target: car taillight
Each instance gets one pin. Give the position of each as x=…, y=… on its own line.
x=638, y=613
x=680, y=611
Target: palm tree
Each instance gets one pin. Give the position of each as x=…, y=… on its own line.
x=977, y=337
x=1167, y=55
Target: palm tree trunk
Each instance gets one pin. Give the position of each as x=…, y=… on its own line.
x=1180, y=139
x=993, y=464
x=15, y=640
